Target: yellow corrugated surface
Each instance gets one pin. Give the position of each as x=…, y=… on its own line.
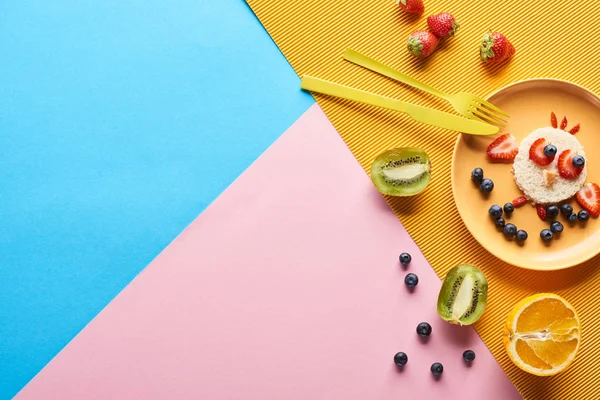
x=556, y=39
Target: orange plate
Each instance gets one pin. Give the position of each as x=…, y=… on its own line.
x=529, y=104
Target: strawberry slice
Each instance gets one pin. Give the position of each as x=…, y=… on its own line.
x=563, y=123
x=541, y=211
x=588, y=197
x=536, y=153
x=504, y=148
x=519, y=201
x=553, y=120
x=566, y=169
x=575, y=129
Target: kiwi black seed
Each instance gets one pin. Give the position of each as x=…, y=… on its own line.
x=404, y=171
x=463, y=295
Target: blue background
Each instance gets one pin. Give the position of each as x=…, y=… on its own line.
x=120, y=121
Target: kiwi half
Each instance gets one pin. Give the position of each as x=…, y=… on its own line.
x=463, y=295
x=404, y=171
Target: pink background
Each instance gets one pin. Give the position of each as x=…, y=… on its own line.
x=287, y=287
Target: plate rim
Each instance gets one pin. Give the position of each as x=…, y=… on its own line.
x=563, y=265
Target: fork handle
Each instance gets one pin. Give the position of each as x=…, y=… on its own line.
x=345, y=92
x=376, y=66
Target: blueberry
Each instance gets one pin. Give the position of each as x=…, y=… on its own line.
x=477, y=175
x=437, y=369
x=509, y=208
x=552, y=211
x=486, y=185
x=469, y=355
x=583, y=215
x=556, y=227
x=411, y=280
x=424, y=329
x=500, y=222
x=510, y=230
x=550, y=150
x=578, y=161
x=566, y=210
x=495, y=211
x=573, y=218
x=521, y=235
x=400, y=359
x=405, y=259
x=546, y=235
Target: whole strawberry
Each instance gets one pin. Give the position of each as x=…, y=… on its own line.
x=411, y=6
x=422, y=43
x=443, y=25
x=495, y=48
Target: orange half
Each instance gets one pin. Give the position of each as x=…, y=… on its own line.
x=542, y=334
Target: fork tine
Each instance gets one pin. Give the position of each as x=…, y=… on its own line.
x=485, y=118
x=491, y=114
x=493, y=107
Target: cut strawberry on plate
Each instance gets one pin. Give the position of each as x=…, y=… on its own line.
x=588, y=197
x=536, y=153
x=566, y=169
x=519, y=201
x=504, y=148
x=541, y=212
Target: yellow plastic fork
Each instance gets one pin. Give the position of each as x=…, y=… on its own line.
x=464, y=103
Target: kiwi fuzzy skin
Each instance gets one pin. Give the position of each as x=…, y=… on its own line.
x=454, y=275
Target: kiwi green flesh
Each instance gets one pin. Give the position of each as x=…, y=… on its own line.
x=463, y=295
x=401, y=172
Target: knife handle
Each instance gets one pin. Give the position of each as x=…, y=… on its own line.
x=334, y=89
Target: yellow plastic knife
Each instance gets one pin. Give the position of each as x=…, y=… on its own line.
x=419, y=113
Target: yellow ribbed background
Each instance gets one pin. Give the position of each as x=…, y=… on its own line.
x=557, y=39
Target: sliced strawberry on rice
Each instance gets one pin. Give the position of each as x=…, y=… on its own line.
x=536, y=153
x=504, y=148
x=566, y=169
x=588, y=197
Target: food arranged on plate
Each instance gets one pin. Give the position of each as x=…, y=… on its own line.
x=549, y=168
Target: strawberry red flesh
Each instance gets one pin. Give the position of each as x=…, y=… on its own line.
x=575, y=129
x=563, y=123
x=566, y=169
x=519, y=201
x=553, y=120
x=541, y=211
x=588, y=198
x=504, y=148
x=536, y=153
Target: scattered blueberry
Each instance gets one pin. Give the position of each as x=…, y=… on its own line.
x=400, y=359
x=510, y=230
x=566, y=210
x=556, y=227
x=411, y=280
x=477, y=175
x=583, y=215
x=495, y=211
x=437, y=369
x=468, y=355
x=424, y=329
x=486, y=185
x=552, y=211
x=573, y=218
x=578, y=161
x=509, y=208
x=405, y=259
x=521, y=235
x=500, y=222
x=550, y=150
x=546, y=235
